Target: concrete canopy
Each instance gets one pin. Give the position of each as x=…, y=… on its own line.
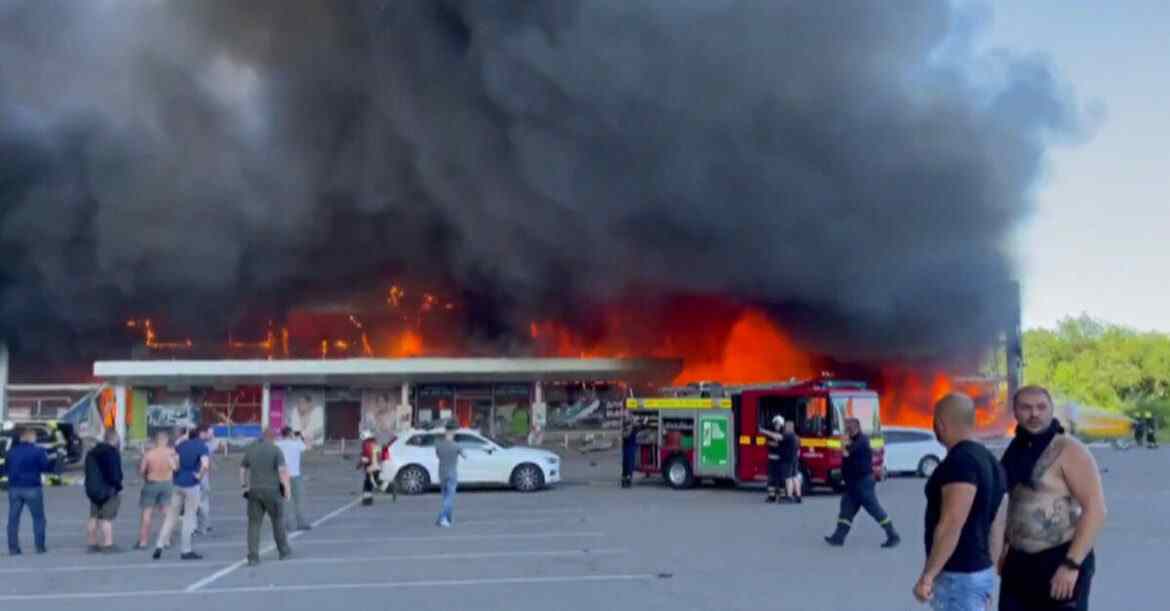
x=380, y=372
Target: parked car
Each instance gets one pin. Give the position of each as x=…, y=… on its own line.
x=411, y=462
x=912, y=450
x=64, y=449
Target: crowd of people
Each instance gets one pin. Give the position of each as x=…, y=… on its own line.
x=176, y=488
x=1025, y=523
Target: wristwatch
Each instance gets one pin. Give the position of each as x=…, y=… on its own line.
x=1069, y=563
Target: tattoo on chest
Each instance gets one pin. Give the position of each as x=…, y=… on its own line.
x=1047, y=459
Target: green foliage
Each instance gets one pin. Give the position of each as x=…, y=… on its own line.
x=1102, y=365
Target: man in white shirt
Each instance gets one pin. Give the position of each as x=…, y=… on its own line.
x=293, y=447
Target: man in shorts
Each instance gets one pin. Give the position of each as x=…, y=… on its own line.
x=157, y=470
x=193, y=465
x=103, y=487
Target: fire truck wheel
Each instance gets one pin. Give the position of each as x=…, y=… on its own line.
x=527, y=478
x=679, y=474
x=413, y=479
x=927, y=465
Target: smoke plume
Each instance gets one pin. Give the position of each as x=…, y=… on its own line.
x=856, y=167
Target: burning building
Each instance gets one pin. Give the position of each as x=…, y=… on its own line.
x=764, y=190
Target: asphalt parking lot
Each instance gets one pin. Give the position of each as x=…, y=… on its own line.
x=583, y=545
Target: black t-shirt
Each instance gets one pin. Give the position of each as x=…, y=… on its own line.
x=789, y=448
x=969, y=463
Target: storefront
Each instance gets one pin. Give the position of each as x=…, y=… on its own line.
x=336, y=399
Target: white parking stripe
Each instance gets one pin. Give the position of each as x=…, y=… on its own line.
x=485, y=537
x=383, y=585
x=267, y=549
x=170, y=566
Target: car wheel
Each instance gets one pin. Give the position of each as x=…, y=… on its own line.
x=927, y=465
x=679, y=474
x=527, y=478
x=413, y=480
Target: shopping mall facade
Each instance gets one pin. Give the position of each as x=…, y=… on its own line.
x=333, y=399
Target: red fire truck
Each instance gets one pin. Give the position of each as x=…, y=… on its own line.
x=708, y=431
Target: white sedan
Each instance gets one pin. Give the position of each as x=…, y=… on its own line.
x=413, y=466
x=912, y=450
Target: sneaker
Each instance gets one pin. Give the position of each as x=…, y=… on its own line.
x=444, y=524
x=157, y=553
x=93, y=549
x=191, y=556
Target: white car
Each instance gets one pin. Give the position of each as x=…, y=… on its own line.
x=912, y=450
x=413, y=466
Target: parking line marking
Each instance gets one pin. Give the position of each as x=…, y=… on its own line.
x=335, y=560
x=228, y=570
x=380, y=585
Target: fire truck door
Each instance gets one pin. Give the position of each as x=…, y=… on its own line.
x=714, y=448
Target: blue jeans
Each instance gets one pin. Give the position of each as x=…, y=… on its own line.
x=964, y=591
x=18, y=498
x=448, y=487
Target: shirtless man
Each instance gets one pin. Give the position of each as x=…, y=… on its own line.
x=1056, y=507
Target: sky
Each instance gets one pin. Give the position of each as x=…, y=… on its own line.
x=1099, y=242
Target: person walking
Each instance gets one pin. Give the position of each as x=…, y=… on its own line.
x=369, y=467
x=25, y=463
x=629, y=449
x=292, y=448
x=158, y=471
x=203, y=513
x=193, y=465
x=265, y=479
x=966, y=512
x=103, y=487
x=448, y=453
x=860, y=488
x=1056, y=508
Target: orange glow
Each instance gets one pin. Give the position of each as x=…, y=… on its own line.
x=407, y=345
x=908, y=396
x=717, y=339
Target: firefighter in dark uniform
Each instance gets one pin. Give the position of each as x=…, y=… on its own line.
x=368, y=465
x=860, y=488
x=629, y=450
x=1151, y=431
x=776, y=476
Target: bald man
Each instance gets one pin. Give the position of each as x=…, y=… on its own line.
x=966, y=513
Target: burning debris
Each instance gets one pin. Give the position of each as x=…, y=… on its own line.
x=760, y=187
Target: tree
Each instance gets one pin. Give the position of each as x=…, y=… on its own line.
x=1101, y=364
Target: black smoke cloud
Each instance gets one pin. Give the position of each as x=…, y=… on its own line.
x=856, y=166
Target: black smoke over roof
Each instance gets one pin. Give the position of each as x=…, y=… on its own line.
x=858, y=167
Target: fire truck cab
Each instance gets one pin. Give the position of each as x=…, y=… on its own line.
x=708, y=431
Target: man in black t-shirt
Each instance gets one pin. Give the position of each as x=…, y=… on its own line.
x=966, y=513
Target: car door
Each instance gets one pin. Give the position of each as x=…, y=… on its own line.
x=475, y=464
x=896, y=451
x=419, y=449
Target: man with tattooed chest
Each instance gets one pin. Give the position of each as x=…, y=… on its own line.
x=1056, y=507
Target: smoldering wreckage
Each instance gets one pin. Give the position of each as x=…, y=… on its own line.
x=766, y=189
